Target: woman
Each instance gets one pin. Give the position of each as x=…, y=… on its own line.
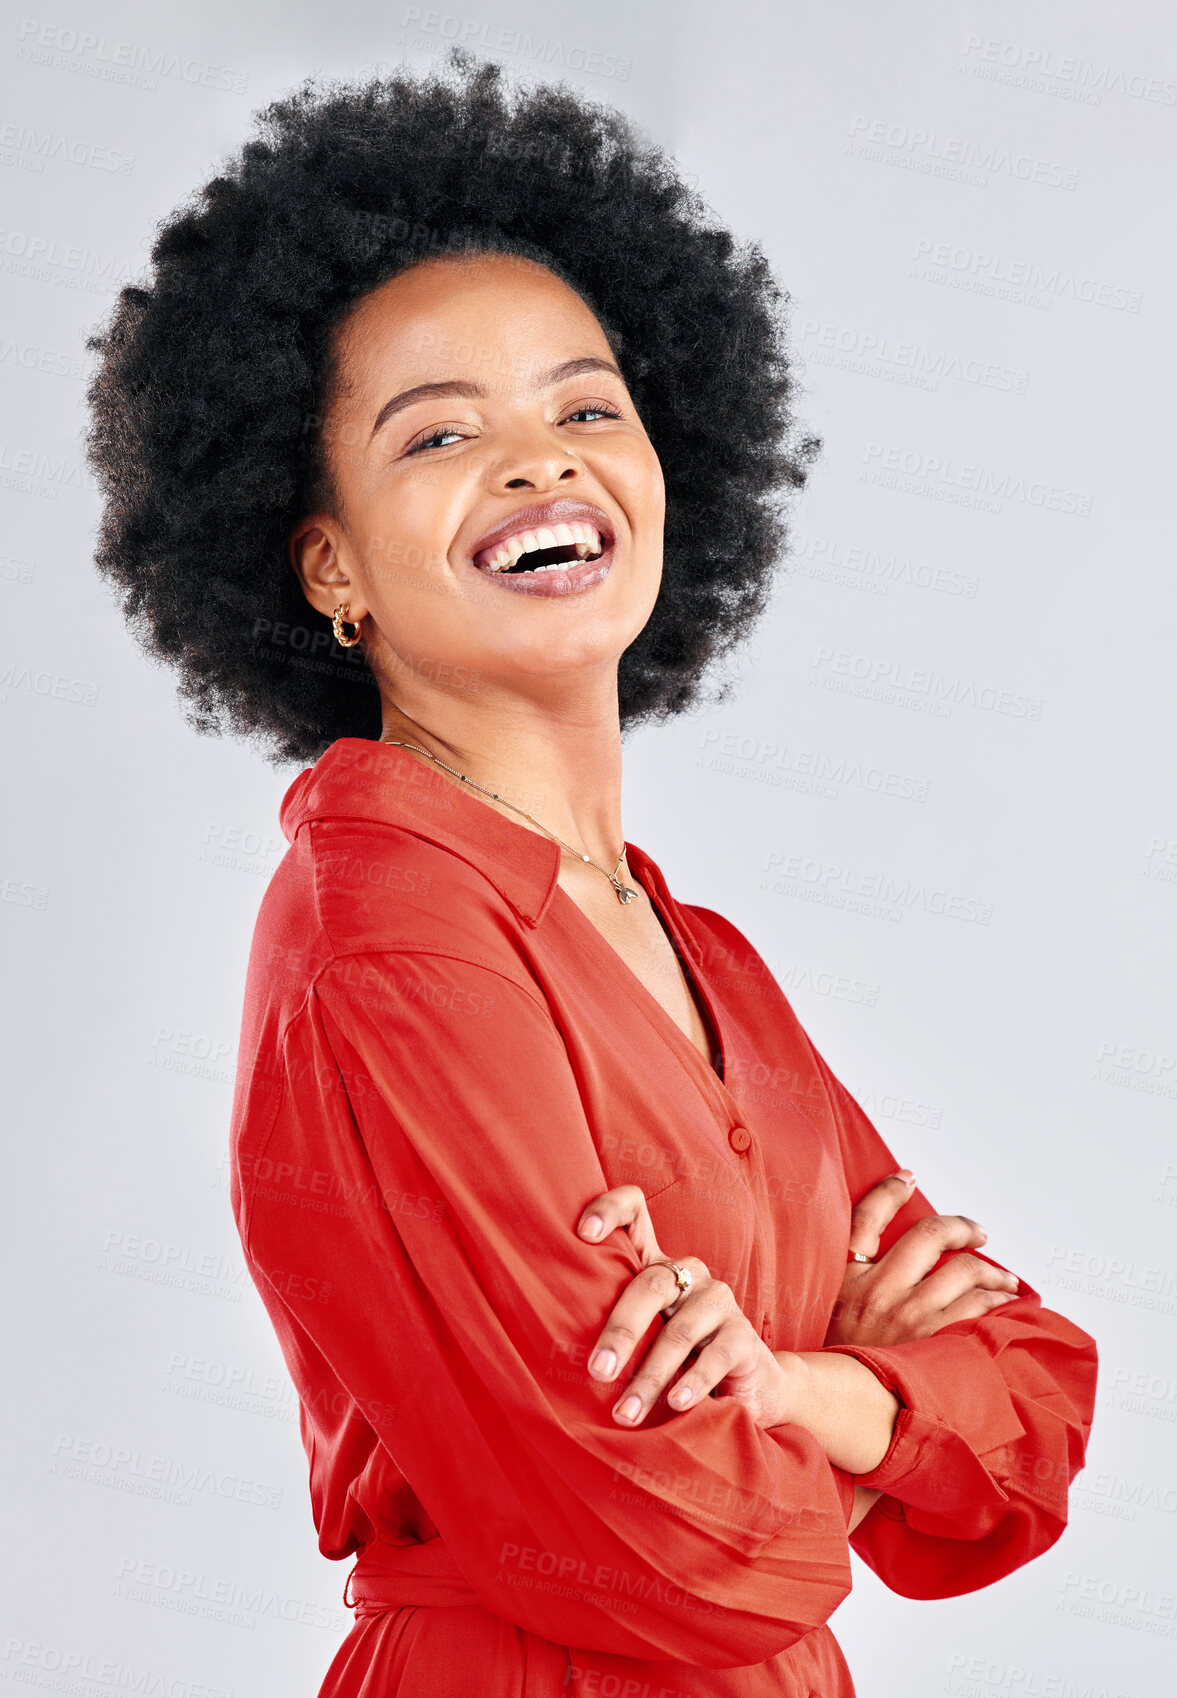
x=446, y=443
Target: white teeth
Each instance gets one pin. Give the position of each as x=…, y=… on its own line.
x=585, y=538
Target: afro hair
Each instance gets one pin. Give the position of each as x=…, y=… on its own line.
x=214, y=375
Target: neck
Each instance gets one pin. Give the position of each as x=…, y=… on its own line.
x=563, y=767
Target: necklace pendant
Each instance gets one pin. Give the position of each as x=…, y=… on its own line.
x=624, y=894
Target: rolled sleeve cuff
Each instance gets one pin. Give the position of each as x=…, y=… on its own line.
x=956, y=1409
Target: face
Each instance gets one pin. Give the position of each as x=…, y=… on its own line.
x=480, y=422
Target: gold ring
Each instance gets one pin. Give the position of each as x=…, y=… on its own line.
x=857, y=1256
x=683, y=1278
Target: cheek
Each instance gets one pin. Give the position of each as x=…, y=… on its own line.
x=403, y=534
x=634, y=476
x=654, y=487
x=397, y=561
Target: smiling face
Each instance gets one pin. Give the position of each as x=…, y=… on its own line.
x=480, y=428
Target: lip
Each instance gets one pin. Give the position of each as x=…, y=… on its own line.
x=564, y=510
x=569, y=580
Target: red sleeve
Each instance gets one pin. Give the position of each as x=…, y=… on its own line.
x=439, y=1097
x=994, y=1426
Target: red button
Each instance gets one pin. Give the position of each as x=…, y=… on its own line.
x=739, y=1138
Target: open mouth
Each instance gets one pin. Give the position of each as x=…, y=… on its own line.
x=547, y=548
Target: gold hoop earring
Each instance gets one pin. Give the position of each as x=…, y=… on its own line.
x=337, y=619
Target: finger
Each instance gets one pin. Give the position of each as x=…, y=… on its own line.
x=707, y=1326
x=623, y=1206
x=730, y=1351
x=877, y=1209
x=917, y=1251
x=961, y=1274
x=650, y=1291
x=973, y=1305
x=611, y=1209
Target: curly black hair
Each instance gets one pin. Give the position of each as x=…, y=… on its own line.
x=213, y=378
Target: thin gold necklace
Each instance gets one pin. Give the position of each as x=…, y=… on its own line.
x=624, y=892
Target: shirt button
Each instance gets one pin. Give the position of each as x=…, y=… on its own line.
x=739, y=1138
x=766, y=1332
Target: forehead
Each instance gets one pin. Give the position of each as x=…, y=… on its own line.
x=492, y=317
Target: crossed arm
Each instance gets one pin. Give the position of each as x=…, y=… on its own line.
x=448, y=1194
x=836, y=1397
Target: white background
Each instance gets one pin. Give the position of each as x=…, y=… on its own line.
x=971, y=208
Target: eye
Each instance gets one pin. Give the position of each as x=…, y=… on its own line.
x=434, y=438
x=602, y=408
x=430, y=439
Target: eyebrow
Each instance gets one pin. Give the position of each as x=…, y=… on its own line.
x=473, y=391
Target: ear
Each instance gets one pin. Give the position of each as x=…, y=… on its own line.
x=313, y=550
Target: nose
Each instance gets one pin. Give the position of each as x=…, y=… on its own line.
x=536, y=467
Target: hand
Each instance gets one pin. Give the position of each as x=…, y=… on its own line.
x=707, y=1324
x=898, y=1298
x=841, y=1402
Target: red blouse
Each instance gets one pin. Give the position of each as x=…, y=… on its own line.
x=442, y=1061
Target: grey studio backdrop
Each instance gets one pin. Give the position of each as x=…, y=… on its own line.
x=938, y=798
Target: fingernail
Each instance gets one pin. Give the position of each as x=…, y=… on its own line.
x=593, y=1227
x=604, y=1363
x=680, y=1396
x=629, y=1409
x=907, y=1176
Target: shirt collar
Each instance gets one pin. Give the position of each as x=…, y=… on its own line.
x=361, y=778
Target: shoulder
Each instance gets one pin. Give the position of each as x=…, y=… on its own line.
x=362, y=887
x=389, y=928
x=381, y=887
